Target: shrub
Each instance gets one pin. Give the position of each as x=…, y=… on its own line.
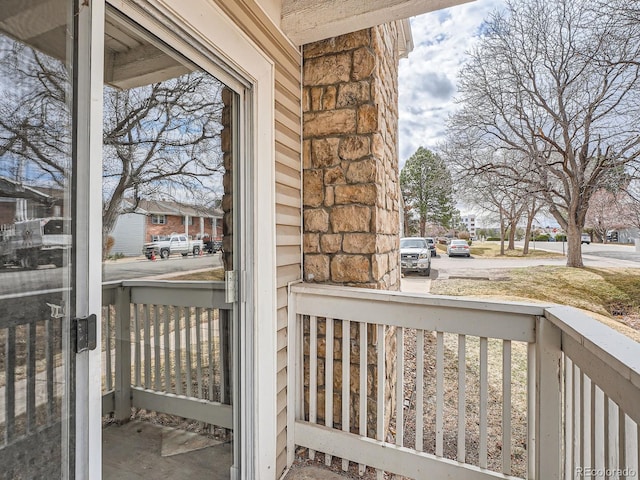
x=561, y=237
x=493, y=239
x=541, y=238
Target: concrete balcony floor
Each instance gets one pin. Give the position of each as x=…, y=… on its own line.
x=141, y=450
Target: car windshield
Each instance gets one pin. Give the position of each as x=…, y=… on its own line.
x=458, y=242
x=412, y=243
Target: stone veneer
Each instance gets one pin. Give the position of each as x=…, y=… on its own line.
x=351, y=194
x=350, y=184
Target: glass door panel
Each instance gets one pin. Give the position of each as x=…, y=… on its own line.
x=36, y=205
x=168, y=236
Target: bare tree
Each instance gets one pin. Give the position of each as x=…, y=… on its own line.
x=160, y=140
x=551, y=83
x=606, y=212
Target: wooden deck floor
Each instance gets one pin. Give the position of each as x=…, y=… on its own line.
x=140, y=450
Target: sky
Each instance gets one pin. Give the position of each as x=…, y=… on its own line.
x=428, y=77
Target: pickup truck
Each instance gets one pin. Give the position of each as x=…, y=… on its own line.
x=34, y=242
x=168, y=245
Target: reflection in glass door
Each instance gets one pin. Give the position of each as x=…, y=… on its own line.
x=36, y=204
x=169, y=309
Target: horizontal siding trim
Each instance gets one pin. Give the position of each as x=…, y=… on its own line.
x=287, y=255
x=288, y=274
x=288, y=156
x=288, y=235
x=288, y=176
x=288, y=216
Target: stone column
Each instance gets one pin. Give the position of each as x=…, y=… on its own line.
x=351, y=190
x=350, y=185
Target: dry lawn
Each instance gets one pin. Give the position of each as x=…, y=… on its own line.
x=612, y=295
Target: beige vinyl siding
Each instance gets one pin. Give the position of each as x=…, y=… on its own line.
x=287, y=61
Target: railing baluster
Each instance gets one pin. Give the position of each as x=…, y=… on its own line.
x=484, y=387
x=568, y=417
x=419, y=446
x=583, y=410
x=48, y=354
x=622, y=442
x=313, y=374
x=380, y=402
x=187, y=346
x=210, y=351
x=362, y=394
x=576, y=417
x=328, y=380
x=224, y=333
x=108, y=347
x=462, y=404
x=199, y=350
x=506, y=407
x=346, y=382
x=147, y=347
x=10, y=385
x=156, y=347
x=167, y=348
x=607, y=434
x=177, y=333
x=400, y=386
x=31, y=376
x=592, y=423
x=439, y=393
x=138, y=346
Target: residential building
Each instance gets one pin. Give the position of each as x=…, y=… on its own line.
x=469, y=221
x=294, y=104
x=154, y=218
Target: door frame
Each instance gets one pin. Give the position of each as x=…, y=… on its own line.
x=87, y=268
x=202, y=32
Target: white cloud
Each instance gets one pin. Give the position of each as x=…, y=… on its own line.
x=428, y=77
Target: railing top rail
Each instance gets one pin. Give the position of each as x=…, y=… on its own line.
x=506, y=320
x=419, y=299
x=619, y=352
x=185, y=284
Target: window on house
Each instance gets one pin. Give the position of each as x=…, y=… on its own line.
x=158, y=219
x=187, y=220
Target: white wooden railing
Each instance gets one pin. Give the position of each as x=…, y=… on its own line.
x=166, y=348
x=478, y=389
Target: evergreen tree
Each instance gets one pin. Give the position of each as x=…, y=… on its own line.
x=427, y=189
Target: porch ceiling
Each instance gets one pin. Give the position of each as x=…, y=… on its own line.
x=306, y=21
x=130, y=59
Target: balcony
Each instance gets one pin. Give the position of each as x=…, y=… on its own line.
x=418, y=386
x=470, y=389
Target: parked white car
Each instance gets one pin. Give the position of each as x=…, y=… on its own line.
x=415, y=255
x=459, y=247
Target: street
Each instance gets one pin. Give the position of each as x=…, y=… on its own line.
x=593, y=255
x=47, y=277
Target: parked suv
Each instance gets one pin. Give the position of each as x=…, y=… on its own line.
x=585, y=238
x=432, y=246
x=415, y=255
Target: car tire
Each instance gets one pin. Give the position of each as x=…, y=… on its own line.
x=196, y=251
x=164, y=253
x=468, y=255
x=427, y=272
